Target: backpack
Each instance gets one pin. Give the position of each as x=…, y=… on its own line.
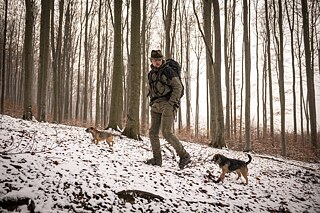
x=175, y=66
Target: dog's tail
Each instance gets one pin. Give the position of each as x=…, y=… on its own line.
x=250, y=158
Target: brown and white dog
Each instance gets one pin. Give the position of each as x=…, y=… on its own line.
x=232, y=165
x=99, y=135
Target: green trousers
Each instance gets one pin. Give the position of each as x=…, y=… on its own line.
x=162, y=116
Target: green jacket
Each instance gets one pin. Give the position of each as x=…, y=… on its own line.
x=164, y=85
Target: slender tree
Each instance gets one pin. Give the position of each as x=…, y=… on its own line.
x=310, y=74
x=132, y=129
x=144, y=107
x=291, y=27
x=105, y=100
x=28, y=60
x=56, y=61
x=116, y=94
x=246, y=34
x=281, y=83
x=167, y=18
x=66, y=61
x=269, y=71
x=257, y=71
x=234, y=69
x=185, y=44
x=206, y=36
x=98, y=83
x=78, y=110
x=219, y=141
x=86, y=65
x=299, y=63
x=264, y=92
x=3, y=68
x=226, y=66
x=43, y=60
x=197, y=50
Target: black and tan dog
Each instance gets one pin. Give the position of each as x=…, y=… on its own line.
x=232, y=165
x=99, y=135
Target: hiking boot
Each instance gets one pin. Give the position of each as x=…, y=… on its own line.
x=154, y=162
x=184, y=161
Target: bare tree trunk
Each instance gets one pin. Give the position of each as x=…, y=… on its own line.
x=19, y=69
x=206, y=35
x=78, y=99
x=264, y=92
x=98, y=83
x=105, y=99
x=291, y=27
x=281, y=84
x=257, y=69
x=310, y=75
x=132, y=129
x=181, y=61
x=4, y=54
x=56, y=61
x=269, y=72
x=246, y=35
x=86, y=64
x=28, y=60
x=209, y=62
x=198, y=50
x=43, y=59
x=241, y=96
x=219, y=136
x=126, y=72
x=167, y=18
x=116, y=96
x=234, y=70
x=299, y=58
x=67, y=57
x=187, y=70
x=144, y=107
x=227, y=69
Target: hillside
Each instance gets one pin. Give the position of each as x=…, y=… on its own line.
x=56, y=168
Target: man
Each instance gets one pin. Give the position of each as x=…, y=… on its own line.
x=165, y=92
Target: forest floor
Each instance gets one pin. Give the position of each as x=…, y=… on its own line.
x=297, y=149
x=47, y=167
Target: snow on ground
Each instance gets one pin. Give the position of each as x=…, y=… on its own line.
x=56, y=168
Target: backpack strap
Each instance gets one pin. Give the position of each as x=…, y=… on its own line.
x=159, y=73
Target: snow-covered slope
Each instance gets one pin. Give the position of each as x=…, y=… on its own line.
x=56, y=168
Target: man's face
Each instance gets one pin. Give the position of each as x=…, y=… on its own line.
x=156, y=62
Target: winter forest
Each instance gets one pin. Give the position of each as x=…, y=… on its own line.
x=250, y=69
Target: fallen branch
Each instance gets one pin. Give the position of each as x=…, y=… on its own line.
x=130, y=195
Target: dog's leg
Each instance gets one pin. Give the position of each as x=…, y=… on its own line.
x=221, y=178
x=244, y=173
x=223, y=173
x=239, y=174
x=110, y=144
